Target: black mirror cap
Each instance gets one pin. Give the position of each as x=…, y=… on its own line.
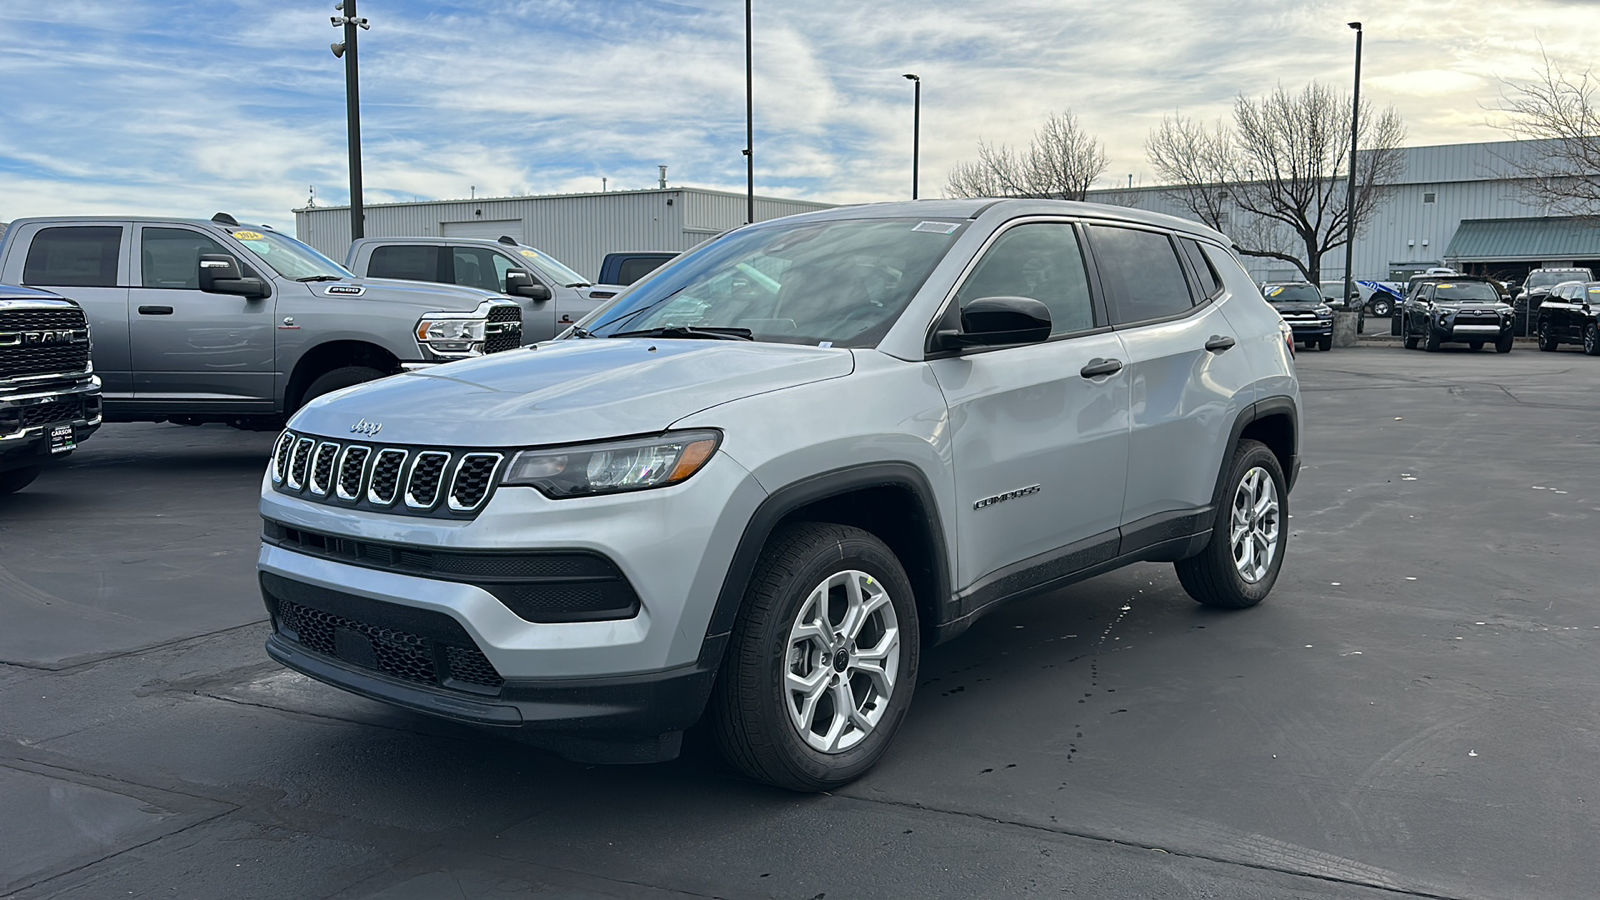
x=990, y=321
x=219, y=274
x=520, y=283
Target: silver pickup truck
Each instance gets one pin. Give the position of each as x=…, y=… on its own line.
x=553, y=297
x=199, y=321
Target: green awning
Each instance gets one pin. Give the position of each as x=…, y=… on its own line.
x=1529, y=239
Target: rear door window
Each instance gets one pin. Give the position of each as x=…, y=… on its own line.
x=409, y=262
x=1209, y=282
x=1141, y=271
x=74, y=256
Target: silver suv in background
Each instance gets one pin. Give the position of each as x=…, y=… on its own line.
x=552, y=296
x=758, y=484
x=213, y=321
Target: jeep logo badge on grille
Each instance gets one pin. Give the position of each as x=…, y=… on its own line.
x=365, y=427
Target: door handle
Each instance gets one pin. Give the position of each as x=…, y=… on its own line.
x=1098, y=367
x=1219, y=343
x=155, y=310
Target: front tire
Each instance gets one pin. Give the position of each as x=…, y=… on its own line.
x=1591, y=339
x=1504, y=344
x=1547, y=337
x=1240, y=563
x=1325, y=343
x=1382, y=308
x=1432, y=343
x=1475, y=345
x=823, y=659
x=328, y=382
x=1409, y=340
x=17, y=479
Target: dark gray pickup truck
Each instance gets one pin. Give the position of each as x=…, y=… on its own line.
x=49, y=396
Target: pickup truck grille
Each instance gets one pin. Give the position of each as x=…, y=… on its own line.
x=43, y=342
x=405, y=480
x=511, y=338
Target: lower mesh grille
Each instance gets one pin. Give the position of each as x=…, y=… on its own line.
x=66, y=409
x=394, y=652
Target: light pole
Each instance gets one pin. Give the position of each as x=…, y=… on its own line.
x=1350, y=200
x=749, y=125
x=916, y=129
x=352, y=103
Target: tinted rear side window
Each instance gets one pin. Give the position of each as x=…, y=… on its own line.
x=1142, y=272
x=74, y=256
x=410, y=262
x=1209, y=282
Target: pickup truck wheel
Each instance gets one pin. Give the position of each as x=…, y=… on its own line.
x=1239, y=565
x=1591, y=339
x=17, y=479
x=823, y=659
x=329, y=382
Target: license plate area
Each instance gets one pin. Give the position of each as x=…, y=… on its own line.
x=62, y=439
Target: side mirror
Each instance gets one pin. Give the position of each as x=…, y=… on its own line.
x=999, y=321
x=1515, y=290
x=219, y=274
x=520, y=283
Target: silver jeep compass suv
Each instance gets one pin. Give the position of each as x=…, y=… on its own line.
x=755, y=486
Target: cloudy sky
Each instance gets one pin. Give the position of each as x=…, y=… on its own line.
x=188, y=107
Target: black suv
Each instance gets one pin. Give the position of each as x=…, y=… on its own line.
x=1302, y=305
x=1570, y=314
x=1456, y=309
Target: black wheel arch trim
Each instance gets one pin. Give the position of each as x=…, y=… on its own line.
x=1261, y=409
x=786, y=500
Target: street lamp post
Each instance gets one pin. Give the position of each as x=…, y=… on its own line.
x=352, y=103
x=1350, y=200
x=749, y=124
x=916, y=130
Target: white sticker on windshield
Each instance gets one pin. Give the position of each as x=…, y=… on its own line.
x=825, y=344
x=937, y=227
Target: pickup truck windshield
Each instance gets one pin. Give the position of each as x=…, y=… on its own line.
x=552, y=269
x=842, y=283
x=290, y=258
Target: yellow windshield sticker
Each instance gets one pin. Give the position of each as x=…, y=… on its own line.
x=1446, y=287
x=1594, y=290
x=530, y=254
x=1275, y=292
x=249, y=236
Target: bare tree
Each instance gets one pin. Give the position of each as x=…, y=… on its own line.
x=1555, y=114
x=1275, y=178
x=1061, y=163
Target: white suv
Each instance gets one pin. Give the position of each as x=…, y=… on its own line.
x=759, y=483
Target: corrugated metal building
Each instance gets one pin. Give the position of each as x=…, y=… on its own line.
x=578, y=229
x=1443, y=190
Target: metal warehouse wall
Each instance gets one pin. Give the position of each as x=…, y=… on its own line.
x=578, y=229
x=1465, y=180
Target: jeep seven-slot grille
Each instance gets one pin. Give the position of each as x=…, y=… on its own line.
x=31, y=344
x=417, y=481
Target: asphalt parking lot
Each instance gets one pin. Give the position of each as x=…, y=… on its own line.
x=1413, y=712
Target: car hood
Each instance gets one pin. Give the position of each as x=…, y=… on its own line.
x=568, y=391
x=434, y=296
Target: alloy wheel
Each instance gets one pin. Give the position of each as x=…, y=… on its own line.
x=841, y=661
x=1253, y=535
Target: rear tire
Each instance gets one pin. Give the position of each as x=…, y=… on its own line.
x=1591, y=339
x=1382, y=308
x=17, y=479
x=1252, y=519
x=782, y=679
x=328, y=382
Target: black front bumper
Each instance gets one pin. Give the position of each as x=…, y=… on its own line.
x=1311, y=331
x=28, y=418
x=624, y=718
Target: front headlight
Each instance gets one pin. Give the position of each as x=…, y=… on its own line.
x=451, y=335
x=1323, y=312
x=612, y=467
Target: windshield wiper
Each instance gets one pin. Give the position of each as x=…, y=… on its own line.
x=709, y=333
x=578, y=284
x=321, y=278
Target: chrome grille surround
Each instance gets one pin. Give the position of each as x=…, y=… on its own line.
x=410, y=480
x=321, y=470
x=352, y=460
x=426, y=476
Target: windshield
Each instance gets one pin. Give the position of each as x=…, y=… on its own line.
x=1466, y=292
x=838, y=283
x=1292, y=293
x=290, y=258
x=552, y=269
x=1545, y=279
